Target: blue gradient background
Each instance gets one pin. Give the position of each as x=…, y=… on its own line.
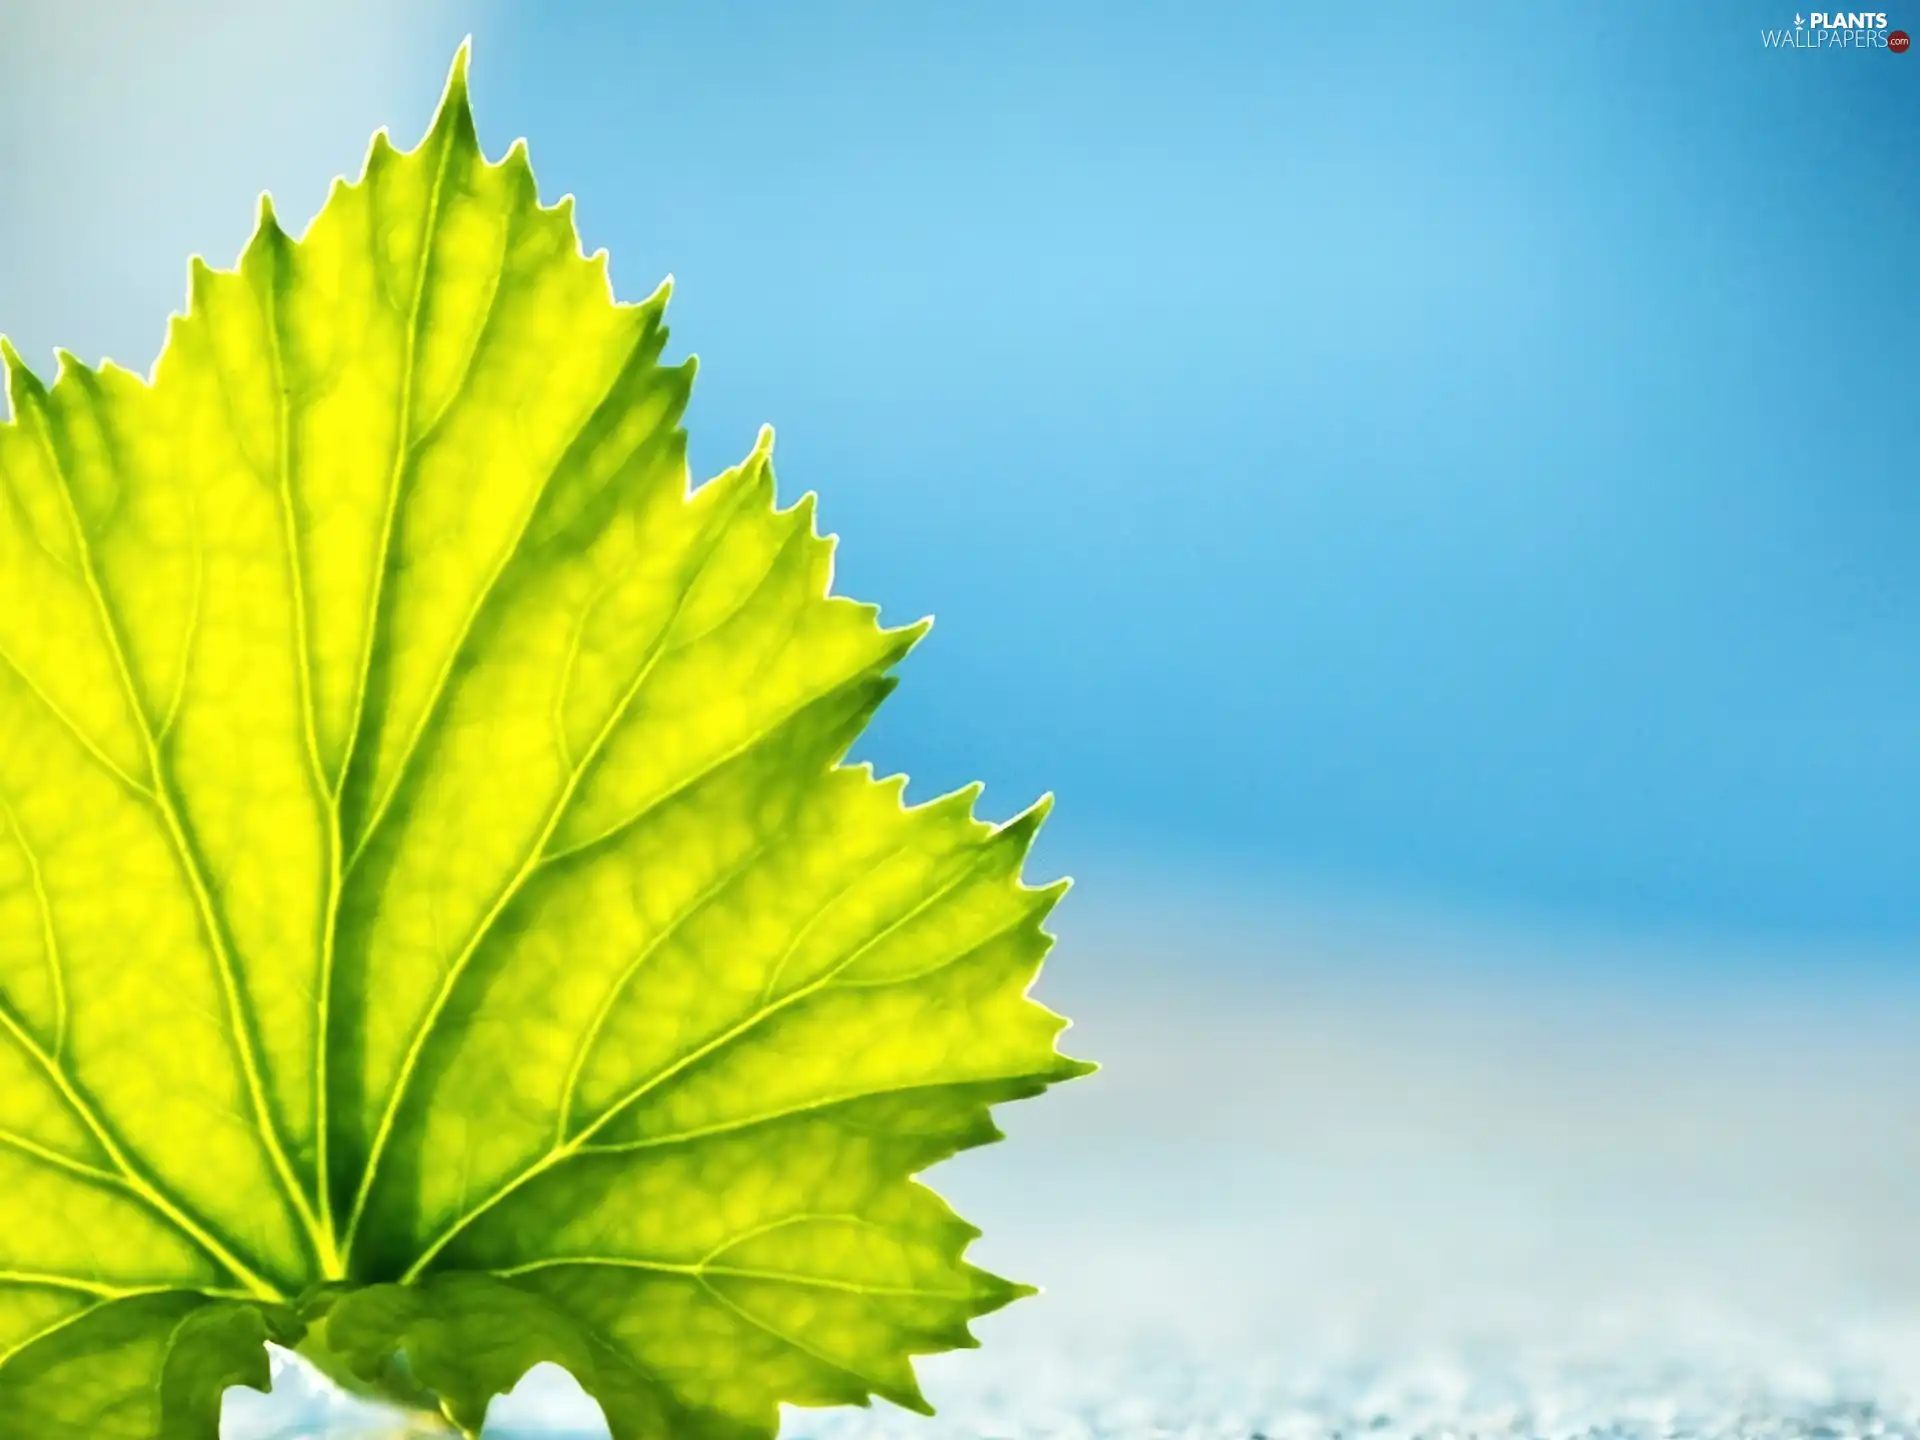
x=1465, y=454
x=1453, y=457
x=1432, y=489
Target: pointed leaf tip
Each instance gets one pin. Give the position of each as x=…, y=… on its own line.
x=1022, y=828
x=910, y=635
x=456, y=88
x=11, y=368
x=20, y=381
x=455, y=108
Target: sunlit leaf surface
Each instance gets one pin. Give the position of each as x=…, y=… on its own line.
x=435, y=925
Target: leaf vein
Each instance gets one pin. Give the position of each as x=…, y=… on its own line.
x=735, y=1272
x=148, y=1190
x=700, y=904
x=794, y=1112
x=559, y=1154
x=73, y=728
x=56, y=962
x=383, y=802
x=193, y=864
x=375, y=607
x=48, y=1332
x=321, y=1200
x=869, y=1382
x=530, y=864
x=50, y=1157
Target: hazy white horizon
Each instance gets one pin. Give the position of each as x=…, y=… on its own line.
x=1334, y=1141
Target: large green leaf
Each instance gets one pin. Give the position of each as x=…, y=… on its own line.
x=435, y=923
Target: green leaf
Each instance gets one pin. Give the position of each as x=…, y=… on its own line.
x=437, y=927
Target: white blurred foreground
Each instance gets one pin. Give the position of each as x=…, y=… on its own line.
x=1348, y=1177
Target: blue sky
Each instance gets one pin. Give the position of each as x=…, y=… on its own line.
x=1459, y=458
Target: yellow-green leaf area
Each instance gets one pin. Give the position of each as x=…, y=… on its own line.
x=438, y=926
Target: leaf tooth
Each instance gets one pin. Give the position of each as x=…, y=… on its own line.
x=650, y=312
x=1019, y=833
x=169, y=345
x=381, y=152
x=762, y=452
x=265, y=261
x=456, y=106
x=452, y=117
x=66, y=363
x=662, y=293
x=200, y=278
x=960, y=802
x=896, y=782
x=22, y=383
